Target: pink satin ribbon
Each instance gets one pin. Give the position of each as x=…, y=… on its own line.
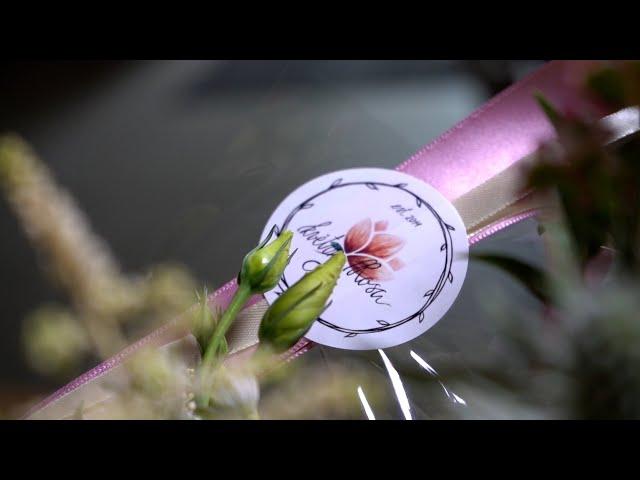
x=504, y=130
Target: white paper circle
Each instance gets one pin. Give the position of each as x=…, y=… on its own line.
x=406, y=248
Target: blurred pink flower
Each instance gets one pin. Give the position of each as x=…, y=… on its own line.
x=370, y=253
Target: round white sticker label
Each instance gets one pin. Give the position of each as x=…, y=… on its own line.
x=406, y=249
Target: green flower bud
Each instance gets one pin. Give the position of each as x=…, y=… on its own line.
x=293, y=313
x=263, y=266
x=261, y=271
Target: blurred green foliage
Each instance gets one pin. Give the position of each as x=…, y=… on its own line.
x=585, y=355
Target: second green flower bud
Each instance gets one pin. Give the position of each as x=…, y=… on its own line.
x=293, y=313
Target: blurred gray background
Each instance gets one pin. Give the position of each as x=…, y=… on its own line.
x=185, y=160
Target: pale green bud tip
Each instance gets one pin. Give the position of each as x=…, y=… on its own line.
x=203, y=321
x=263, y=267
x=293, y=313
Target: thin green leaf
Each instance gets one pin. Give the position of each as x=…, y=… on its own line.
x=550, y=111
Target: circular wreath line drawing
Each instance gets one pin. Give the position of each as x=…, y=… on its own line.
x=447, y=247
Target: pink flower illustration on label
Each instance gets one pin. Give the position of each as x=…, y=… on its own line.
x=373, y=254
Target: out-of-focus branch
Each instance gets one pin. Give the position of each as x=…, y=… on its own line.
x=76, y=258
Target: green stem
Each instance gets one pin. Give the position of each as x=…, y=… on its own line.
x=237, y=302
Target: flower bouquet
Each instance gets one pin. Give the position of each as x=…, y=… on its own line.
x=214, y=359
